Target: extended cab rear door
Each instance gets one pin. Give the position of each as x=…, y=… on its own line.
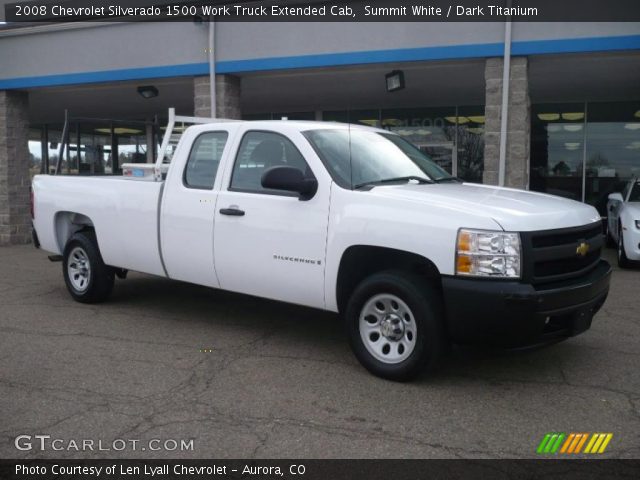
x=270, y=243
x=189, y=204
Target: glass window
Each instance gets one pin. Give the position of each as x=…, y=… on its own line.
x=470, y=143
x=36, y=164
x=613, y=149
x=132, y=145
x=357, y=157
x=260, y=151
x=280, y=116
x=257, y=116
x=202, y=164
x=599, y=146
x=54, y=136
x=362, y=117
x=294, y=115
x=557, y=149
x=94, y=149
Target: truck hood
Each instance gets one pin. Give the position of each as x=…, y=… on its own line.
x=514, y=210
x=634, y=209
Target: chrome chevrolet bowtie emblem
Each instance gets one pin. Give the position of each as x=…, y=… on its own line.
x=582, y=249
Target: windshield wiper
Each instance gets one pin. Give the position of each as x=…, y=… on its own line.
x=391, y=180
x=448, y=179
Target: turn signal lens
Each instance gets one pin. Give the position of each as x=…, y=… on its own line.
x=463, y=264
x=464, y=241
x=483, y=253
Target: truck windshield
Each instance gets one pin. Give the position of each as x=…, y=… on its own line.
x=358, y=157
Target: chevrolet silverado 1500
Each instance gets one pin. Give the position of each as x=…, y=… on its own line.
x=349, y=219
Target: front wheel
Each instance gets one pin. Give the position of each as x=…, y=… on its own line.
x=87, y=278
x=395, y=325
x=623, y=261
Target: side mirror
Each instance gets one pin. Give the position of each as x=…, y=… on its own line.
x=290, y=179
x=616, y=197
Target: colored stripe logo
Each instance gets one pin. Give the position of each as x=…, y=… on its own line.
x=574, y=443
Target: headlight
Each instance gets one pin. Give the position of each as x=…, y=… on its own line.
x=482, y=253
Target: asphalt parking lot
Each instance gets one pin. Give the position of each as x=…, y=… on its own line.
x=250, y=378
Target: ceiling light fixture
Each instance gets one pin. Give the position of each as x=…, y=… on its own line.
x=148, y=91
x=573, y=116
x=458, y=120
x=395, y=80
x=477, y=119
x=120, y=131
x=549, y=117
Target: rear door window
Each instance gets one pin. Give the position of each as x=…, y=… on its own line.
x=204, y=159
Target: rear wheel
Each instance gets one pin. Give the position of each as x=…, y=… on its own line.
x=395, y=325
x=623, y=261
x=87, y=278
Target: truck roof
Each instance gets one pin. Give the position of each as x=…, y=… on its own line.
x=301, y=125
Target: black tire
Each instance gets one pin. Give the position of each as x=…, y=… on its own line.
x=99, y=278
x=623, y=261
x=425, y=304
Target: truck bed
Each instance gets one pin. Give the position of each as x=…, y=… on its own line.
x=124, y=214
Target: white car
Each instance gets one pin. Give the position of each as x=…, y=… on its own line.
x=348, y=219
x=623, y=223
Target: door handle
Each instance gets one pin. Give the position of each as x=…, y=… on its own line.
x=233, y=211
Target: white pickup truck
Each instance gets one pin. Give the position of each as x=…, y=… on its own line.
x=349, y=219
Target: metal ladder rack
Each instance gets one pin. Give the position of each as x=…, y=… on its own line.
x=176, y=125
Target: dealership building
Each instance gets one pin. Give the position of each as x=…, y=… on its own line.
x=568, y=123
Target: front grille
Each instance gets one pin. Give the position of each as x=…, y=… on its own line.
x=552, y=255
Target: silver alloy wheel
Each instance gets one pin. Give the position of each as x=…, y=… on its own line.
x=79, y=269
x=388, y=328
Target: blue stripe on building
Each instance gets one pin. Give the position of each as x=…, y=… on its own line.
x=530, y=47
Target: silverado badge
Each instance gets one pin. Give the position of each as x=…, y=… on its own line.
x=582, y=249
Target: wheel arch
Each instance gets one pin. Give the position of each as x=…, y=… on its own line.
x=66, y=224
x=360, y=261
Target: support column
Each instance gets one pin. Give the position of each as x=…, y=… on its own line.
x=15, y=220
x=518, y=123
x=227, y=93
